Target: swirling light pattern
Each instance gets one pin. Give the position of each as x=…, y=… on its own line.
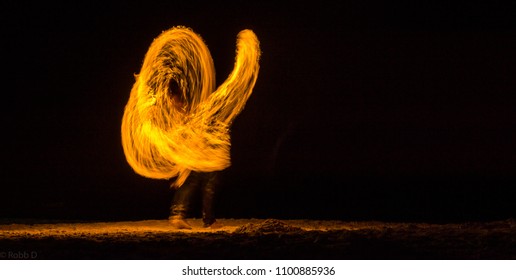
x=175, y=121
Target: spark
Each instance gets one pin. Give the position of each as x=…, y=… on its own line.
x=175, y=120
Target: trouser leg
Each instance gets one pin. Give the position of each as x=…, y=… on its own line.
x=183, y=196
x=208, y=193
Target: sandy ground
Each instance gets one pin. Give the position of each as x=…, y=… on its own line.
x=258, y=239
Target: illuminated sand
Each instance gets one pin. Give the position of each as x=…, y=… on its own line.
x=260, y=239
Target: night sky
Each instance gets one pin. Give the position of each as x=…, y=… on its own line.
x=361, y=111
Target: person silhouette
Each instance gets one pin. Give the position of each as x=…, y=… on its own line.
x=176, y=123
x=203, y=182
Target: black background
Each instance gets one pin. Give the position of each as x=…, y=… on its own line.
x=394, y=111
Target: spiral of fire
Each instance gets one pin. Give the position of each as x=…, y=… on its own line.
x=175, y=120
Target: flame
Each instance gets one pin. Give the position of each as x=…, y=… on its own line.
x=175, y=121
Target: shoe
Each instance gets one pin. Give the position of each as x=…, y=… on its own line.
x=179, y=223
x=214, y=225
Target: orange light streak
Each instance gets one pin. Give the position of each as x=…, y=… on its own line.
x=175, y=121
